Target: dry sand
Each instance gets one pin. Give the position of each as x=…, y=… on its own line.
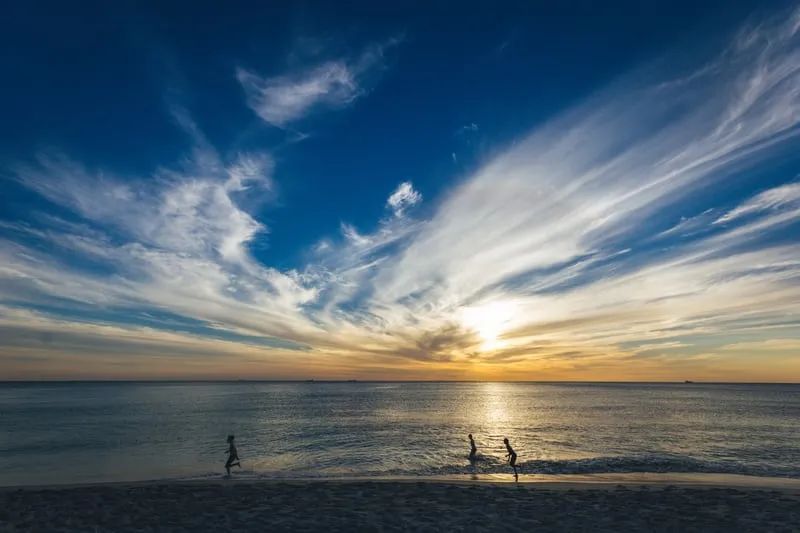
x=579, y=503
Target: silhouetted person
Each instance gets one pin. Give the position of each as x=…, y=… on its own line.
x=512, y=458
x=233, y=456
x=473, y=450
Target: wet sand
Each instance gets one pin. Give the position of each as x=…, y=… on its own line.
x=540, y=503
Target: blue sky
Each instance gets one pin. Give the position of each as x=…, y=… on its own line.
x=506, y=191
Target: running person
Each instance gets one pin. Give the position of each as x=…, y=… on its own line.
x=473, y=450
x=512, y=458
x=233, y=456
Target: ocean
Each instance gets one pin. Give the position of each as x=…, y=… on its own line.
x=80, y=432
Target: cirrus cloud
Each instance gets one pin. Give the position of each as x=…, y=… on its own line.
x=287, y=98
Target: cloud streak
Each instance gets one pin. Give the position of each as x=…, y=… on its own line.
x=782, y=197
x=287, y=98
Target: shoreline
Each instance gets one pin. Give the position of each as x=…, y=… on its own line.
x=604, y=503
x=544, y=481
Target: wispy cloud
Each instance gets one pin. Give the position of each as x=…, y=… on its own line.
x=784, y=196
x=467, y=129
x=402, y=198
x=281, y=100
x=176, y=240
x=191, y=211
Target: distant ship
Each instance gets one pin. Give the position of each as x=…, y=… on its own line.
x=687, y=381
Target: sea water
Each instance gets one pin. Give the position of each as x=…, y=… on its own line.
x=112, y=431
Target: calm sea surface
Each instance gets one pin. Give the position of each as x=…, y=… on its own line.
x=80, y=432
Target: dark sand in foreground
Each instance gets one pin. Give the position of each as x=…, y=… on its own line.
x=400, y=505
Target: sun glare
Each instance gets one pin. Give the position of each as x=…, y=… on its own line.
x=489, y=321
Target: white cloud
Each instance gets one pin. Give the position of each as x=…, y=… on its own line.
x=783, y=196
x=689, y=226
x=402, y=198
x=469, y=128
x=592, y=176
x=353, y=236
x=281, y=100
x=191, y=211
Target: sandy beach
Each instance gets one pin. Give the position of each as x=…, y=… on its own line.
x=584, y=503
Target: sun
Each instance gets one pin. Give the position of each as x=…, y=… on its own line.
x=489, y=321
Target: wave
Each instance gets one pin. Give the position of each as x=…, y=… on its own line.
x=644, y=463
x=650, y=463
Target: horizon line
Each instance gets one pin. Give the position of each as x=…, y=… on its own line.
x=312, y=380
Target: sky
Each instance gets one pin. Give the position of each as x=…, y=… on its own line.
x=503, y=191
